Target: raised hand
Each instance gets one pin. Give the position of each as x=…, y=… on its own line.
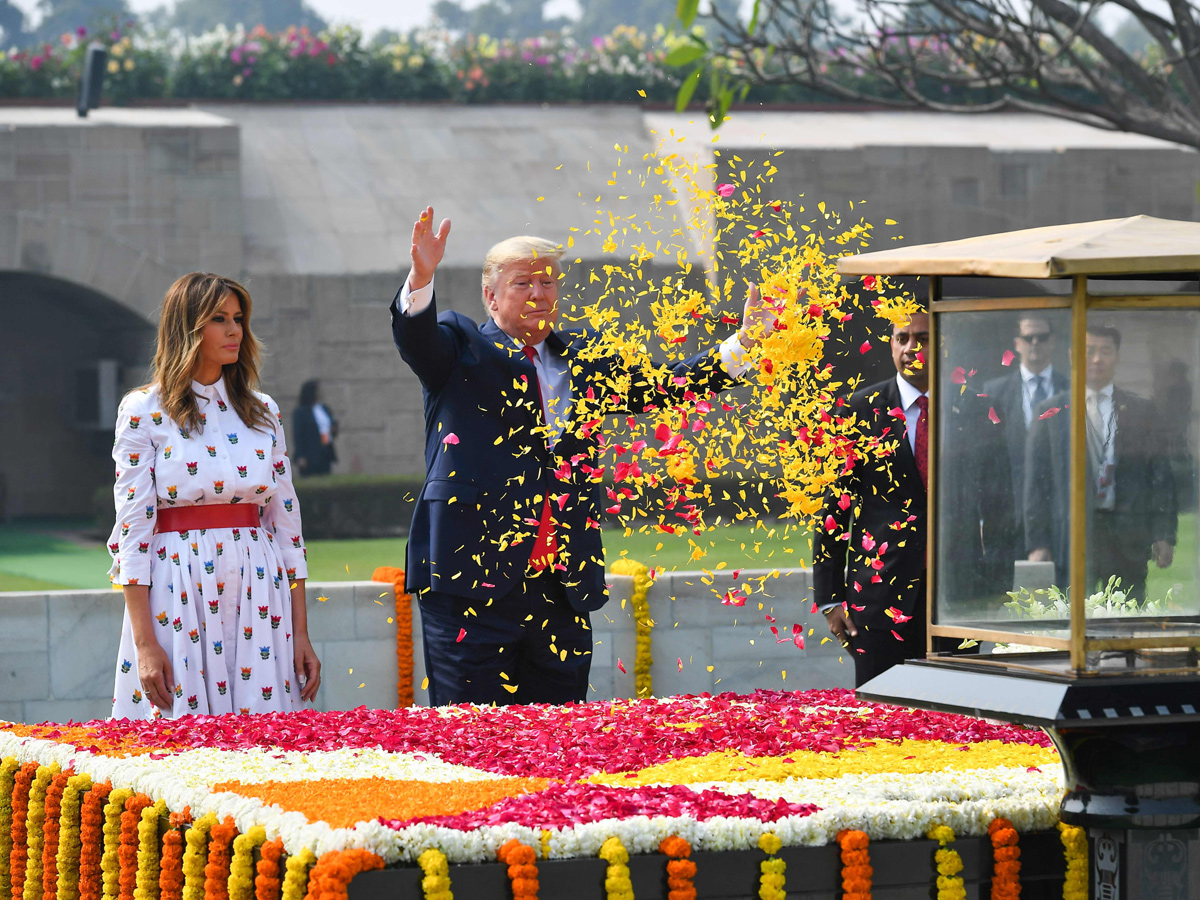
x=427, y=250
x=758, y=318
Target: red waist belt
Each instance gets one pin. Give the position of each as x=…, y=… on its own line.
x=209, y=515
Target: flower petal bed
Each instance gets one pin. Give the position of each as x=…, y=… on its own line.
x=719, y=772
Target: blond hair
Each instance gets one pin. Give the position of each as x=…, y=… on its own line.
x=518, y=249
x=189, y=305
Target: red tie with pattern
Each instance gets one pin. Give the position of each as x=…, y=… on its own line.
x=544, y=545
x=922, y=442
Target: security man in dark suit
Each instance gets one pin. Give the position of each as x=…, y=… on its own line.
x=1131, y=500
x=1015, y=397
x=504, y=549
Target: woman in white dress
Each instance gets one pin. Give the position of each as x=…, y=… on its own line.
x=207, y=542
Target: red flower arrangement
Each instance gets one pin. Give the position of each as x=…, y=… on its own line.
x=522, y=869
x=91, y=841
x=681, y=871
x=216, y=872
x=856, y=864
x=18, y=858
x=54, y=793
x=1006, y=883
x=170, y=867
x=127, y=863
x=267, y=882
x=329, y=878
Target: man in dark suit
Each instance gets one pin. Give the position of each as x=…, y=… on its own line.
x=1131, y=503
x=1015, y=397
x=504, y=549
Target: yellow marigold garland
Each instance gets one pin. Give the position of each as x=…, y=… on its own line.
x=110, y=871
x=857, y=872
x=949, y=865
x=195, y=856
x=241, y=869
x=617, y=884
x=1075, y=849
x=148, y=851
x=643, y=683
x=8, y=772
x=70, y=819
x=771, y=881
x=1006, y=856
x=436, y=883
x=34, y=825
x=295, y=879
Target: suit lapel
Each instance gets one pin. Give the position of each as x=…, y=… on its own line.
x=907, y=463
x=522, y=369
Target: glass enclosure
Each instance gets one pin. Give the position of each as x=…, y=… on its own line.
x=1003, y=525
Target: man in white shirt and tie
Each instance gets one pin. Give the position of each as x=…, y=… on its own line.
x=1132, y=512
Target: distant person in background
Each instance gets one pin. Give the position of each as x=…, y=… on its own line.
x=313, y=431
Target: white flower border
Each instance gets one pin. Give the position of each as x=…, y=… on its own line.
x=887, y=806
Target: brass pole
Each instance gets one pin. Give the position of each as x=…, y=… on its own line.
x=931, y=355
x=1079, y=473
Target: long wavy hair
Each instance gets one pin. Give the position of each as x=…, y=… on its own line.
x=190, y=304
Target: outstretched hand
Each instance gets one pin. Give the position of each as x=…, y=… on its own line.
x=758, y=318
x=427, y=250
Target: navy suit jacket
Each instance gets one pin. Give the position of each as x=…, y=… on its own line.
x=476, y=517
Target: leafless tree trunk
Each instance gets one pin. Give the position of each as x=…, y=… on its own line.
x=1048, y=56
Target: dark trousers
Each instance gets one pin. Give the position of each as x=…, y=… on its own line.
x=529, y=646
x=1114, y=548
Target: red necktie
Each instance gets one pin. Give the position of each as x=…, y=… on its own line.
x=544, y=545
x=922, y=443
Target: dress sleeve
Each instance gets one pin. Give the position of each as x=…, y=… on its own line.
x=134, y=494
x=281, y=515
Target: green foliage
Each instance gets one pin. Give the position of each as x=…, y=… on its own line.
x=195, y=17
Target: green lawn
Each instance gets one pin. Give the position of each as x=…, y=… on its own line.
x=32, y=560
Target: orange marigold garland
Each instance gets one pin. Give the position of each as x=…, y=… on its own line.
x=404, y=633
x=127, y=849
x=856, y=864
x=50, y=831
x=267, y=883
x=216, y=872
x=170, y=867
x=522, y=868
x=681, y=871
x=19, y=830
x=91, y=841
x=330, y=877
x=1006, y=883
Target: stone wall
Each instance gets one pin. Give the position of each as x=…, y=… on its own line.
x=58, y=650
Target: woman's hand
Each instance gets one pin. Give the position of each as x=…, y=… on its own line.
x=427, y=249
x=308, y=667
x=154, y=672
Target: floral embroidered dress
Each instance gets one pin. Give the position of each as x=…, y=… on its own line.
x=220, y=597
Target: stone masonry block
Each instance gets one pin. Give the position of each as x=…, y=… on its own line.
x=85, y=634
x=331, y=619
x=12, y=711
x=670, y=645
x=348, y=664
x=374, y=605
x=25, y=622
x=25, y=675
x=67, y=710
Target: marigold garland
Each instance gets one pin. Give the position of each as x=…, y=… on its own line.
x=295, y=879
x=129, y=847
x=8, y=771
x=35, y=835
x=1075, y=849
x=91, y=841
x=436, y=883
x=66, y=860
x=110, y=861
x=404, y=633
x=1006, y=855
x=241, y=868
x=681, y=871
x=617, y=883
x=50, y=833
x=522, y=869
x=267, y=883
x=331, y=875
x=170, y=868
x=195, y=856
x=216, y=871
x=949, y=865
x=772, y=880
x=18, y=858
x=857, y=873
x=643, y=683
x=149, y=855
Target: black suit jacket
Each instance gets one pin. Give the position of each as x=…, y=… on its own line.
x=306, y=442
x=476, y=517
x=1006, y=394
x=1145, y=488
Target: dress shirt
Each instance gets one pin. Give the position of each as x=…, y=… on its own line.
x=324, y=422
x=912, y=412
x=1102, y=440
x=1029, y=386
